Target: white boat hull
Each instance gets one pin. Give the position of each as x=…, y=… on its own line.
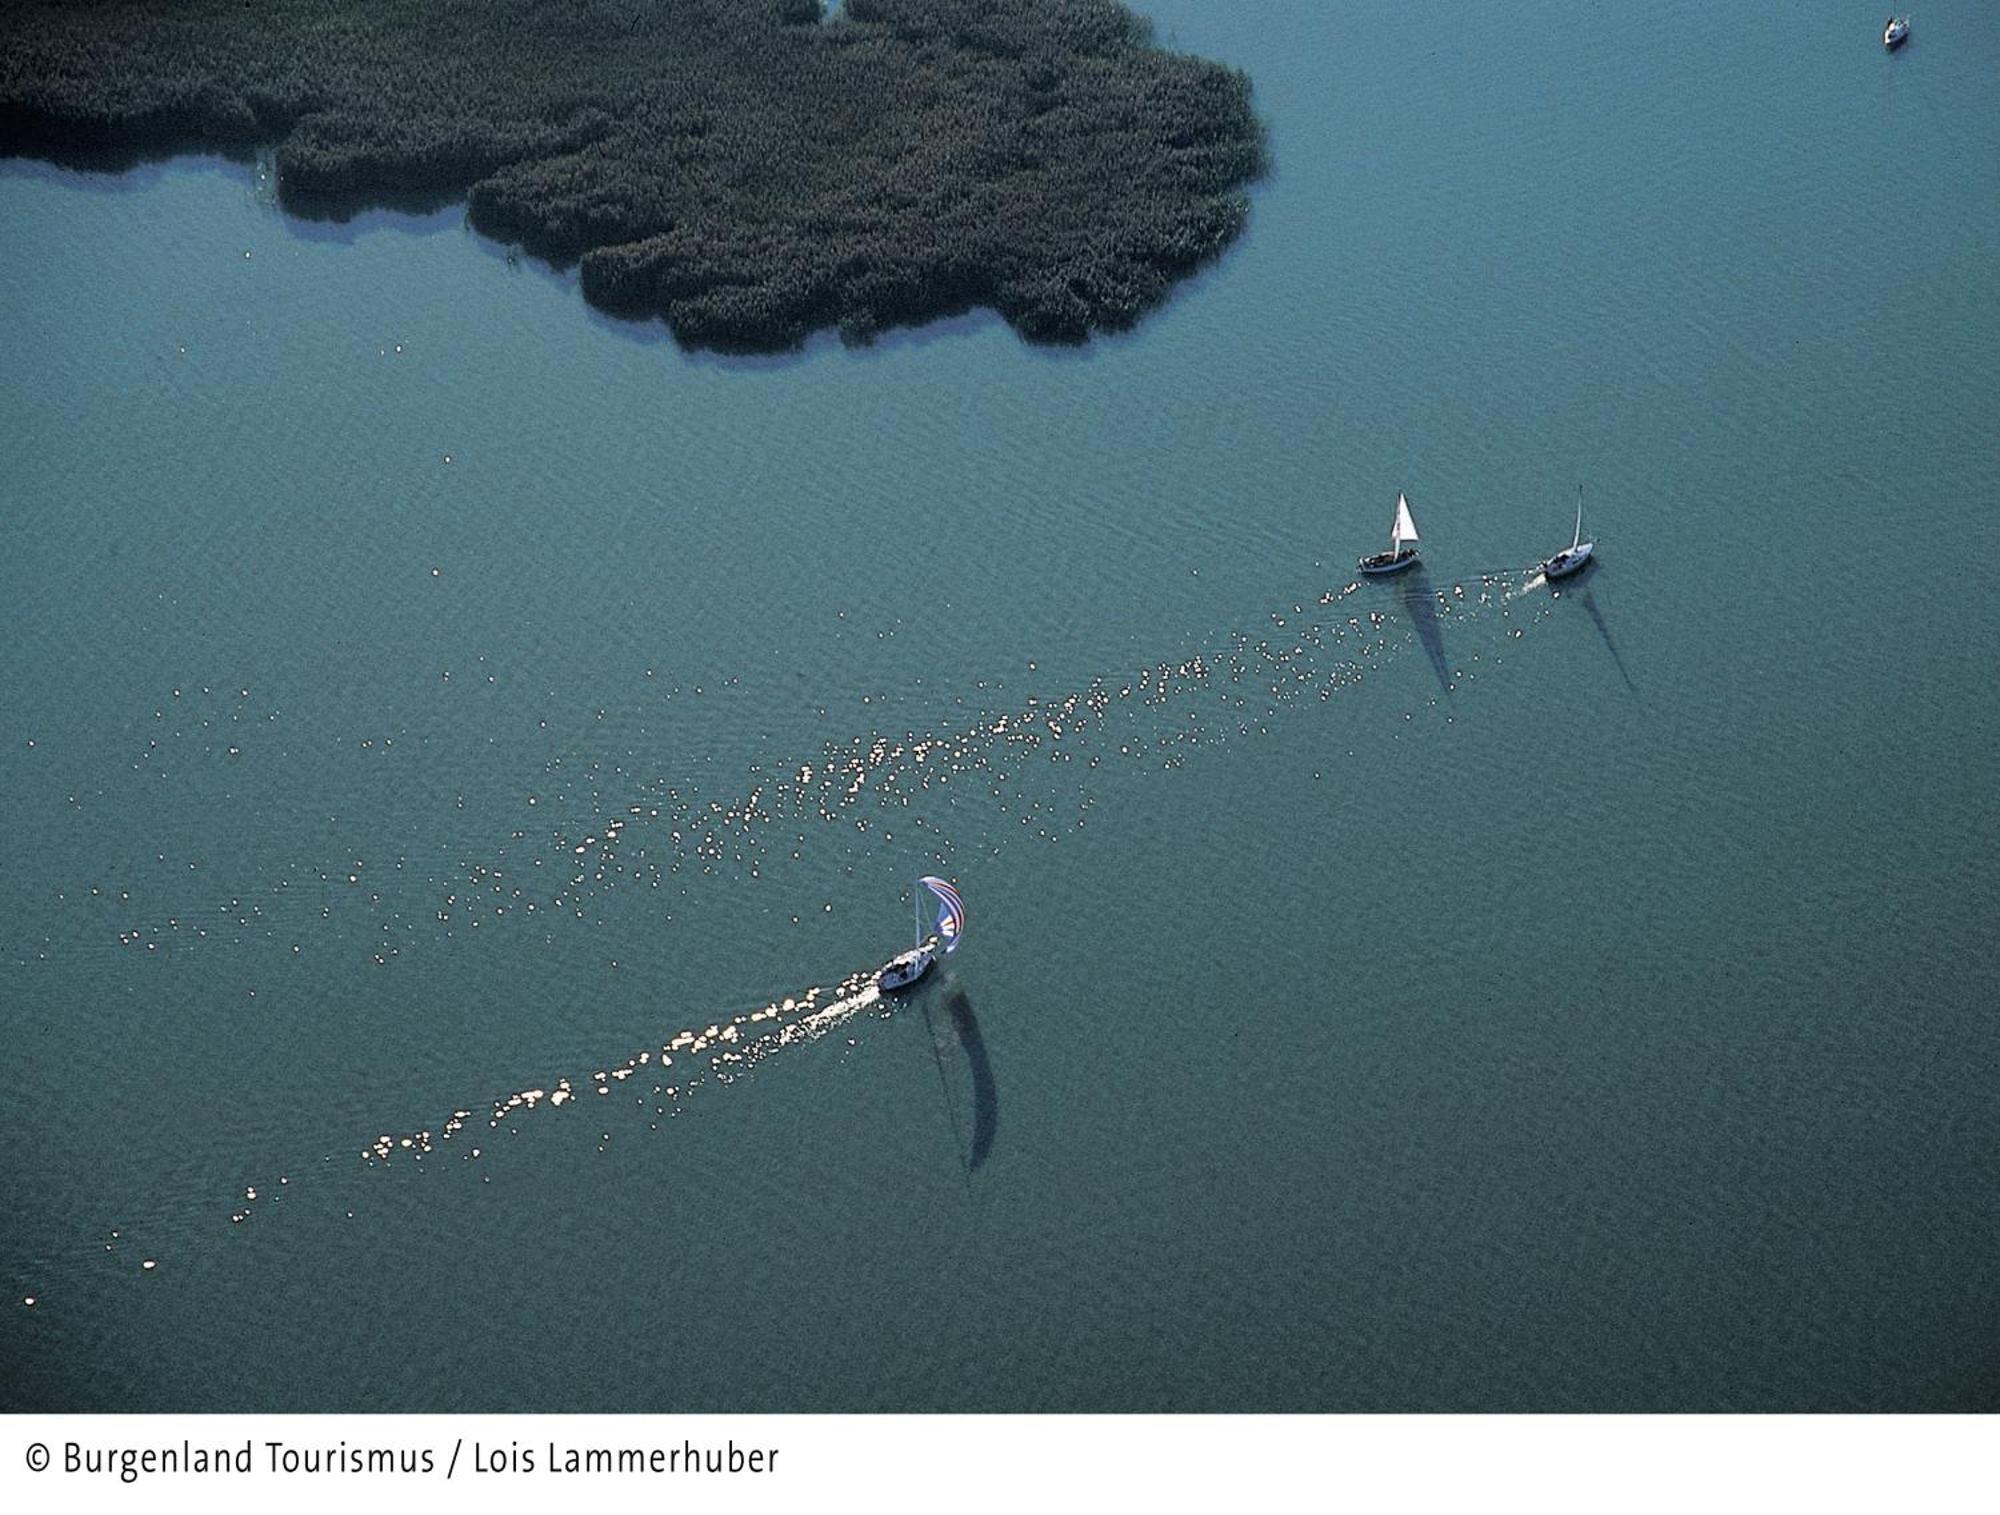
x=901, y=972
x=1570, y=560
x=1384, y=562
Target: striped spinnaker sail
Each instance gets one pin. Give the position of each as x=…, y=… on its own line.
x=951, y=911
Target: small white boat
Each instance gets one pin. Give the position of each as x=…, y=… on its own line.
x=901, y=972
x=1574, y=556
x=1895, y=32
x=1399, y=556
x=906, y=968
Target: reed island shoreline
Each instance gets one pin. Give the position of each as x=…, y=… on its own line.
x=747, y=171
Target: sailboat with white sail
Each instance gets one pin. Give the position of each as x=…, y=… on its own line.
x=906, y=968
x=1574, y=556
x=1402, y=544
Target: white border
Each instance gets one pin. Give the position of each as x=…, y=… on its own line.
x=967, y=1465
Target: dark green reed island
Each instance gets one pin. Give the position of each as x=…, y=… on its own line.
x=748, y=170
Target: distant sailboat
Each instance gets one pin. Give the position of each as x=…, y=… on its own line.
x=1895, y=32
x=1398, y=556
x=905, y=969
x=1574, y=556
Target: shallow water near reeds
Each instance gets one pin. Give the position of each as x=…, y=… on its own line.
x=463, y=758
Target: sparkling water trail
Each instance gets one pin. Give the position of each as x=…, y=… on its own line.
x=1028, y=763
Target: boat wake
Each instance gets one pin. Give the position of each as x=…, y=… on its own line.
x=875, y=782
x=973, y=787
x=963, y=790
x=661, y=1076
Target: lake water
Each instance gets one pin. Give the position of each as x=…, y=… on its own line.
x=1435, y=996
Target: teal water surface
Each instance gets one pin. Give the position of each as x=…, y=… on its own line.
x=420, y=691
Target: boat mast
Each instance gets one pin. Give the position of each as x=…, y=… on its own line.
x=1573, y=541
x=916, y=915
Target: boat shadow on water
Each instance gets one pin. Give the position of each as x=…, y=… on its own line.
x=1584, y=594
x=1418, y=597
x=958, y=1030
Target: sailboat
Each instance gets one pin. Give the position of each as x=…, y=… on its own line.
x=1576, y=554
x=906, y=968
x=1895, y=32
x=1398, y=556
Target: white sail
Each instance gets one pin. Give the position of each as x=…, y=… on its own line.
x=1406, y=528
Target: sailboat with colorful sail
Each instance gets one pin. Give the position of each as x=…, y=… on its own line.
x=1402, y=544
x=906, y=968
